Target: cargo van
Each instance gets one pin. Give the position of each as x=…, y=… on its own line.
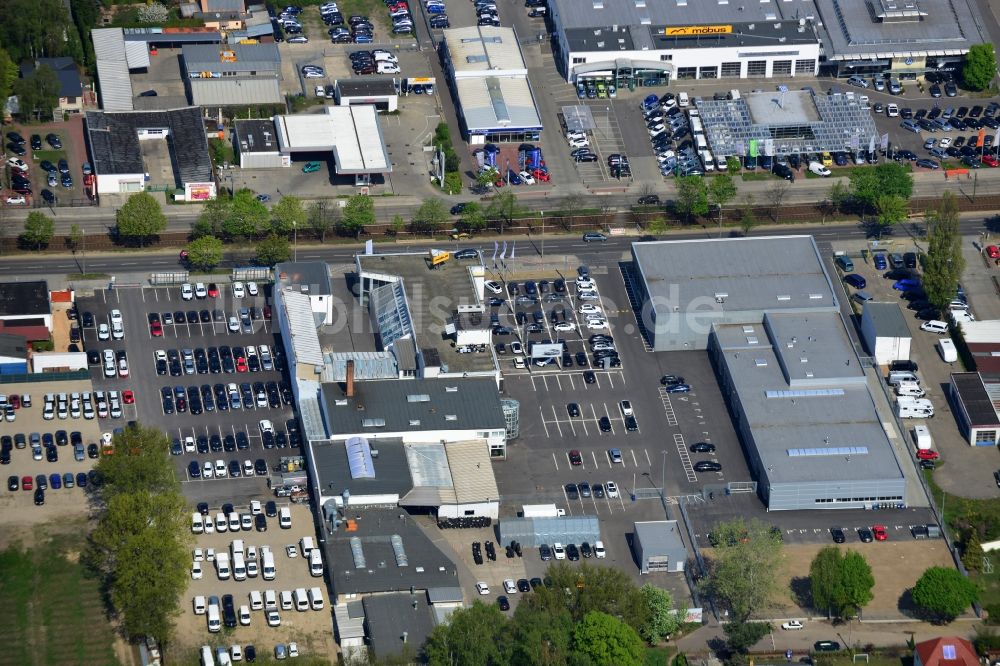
x=206, y=656
x=947, y=350
x=267, y=566
x=316, y=598
x=897, y=376
x=910, y=389
x=307, y=545
x=301, y=599
x=222, y=656
x=197, y=523
x=316, y=563
x=844, y=263
x=256, y=600
x=222, y=566
x=683, y=100
x=270, y=600
x=238, y=547
x=214, y=619
x=239, y=567
x=286, y=599
x=285, y=518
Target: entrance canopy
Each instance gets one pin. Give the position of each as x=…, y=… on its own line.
x=578, y=118
x=352, y=133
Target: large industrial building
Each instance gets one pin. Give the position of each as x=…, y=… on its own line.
x=645, y=42
x=766, y=312
x=232, y=74
x=489, y=81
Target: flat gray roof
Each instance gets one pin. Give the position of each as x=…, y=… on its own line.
x=447, y=286
x=746, y=274
x=854, y=31
x=392, y=472
x=256, y=136
x=392, y=617
x=888, y=320
x=366, y=87
x=426, y=566
x=248, y=59
x=633, y=37
x=315, y=275
x=805, y=398
x=418, y=405
x=659, y=536
x=591, y=13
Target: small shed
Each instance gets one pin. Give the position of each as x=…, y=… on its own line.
x=975, y=401
x=885, y=333
x=659, y=547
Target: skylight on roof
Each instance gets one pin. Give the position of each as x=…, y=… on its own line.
x=948, y=651
x=829, y=451
x=804, y=393
x=359, y=457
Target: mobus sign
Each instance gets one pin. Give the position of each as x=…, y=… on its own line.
x=698, y=30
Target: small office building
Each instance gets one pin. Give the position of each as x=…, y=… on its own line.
x=885, y=333
x=232, y=74
x=489, y=80
x=13, y=354
x=352, y=135
x=25, y=304
x=659, y=547
x=255, y=143
x=381, y=93
x=975, y=401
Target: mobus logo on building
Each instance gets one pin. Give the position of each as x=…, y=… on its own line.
x=698, y=30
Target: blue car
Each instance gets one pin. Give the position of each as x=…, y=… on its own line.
x=81, y=479
x=678, y=388
x=194, y=470
x=651, y=102
x=906, y=284
x=880, y=262
x=55, y=481
x=513, y=178
x=855, y=280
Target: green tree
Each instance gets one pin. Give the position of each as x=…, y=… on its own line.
x=288, y=214
x=322, y=219
x=503, y=207
x=8, y=74
x=38, y=229
x=37, y=29
x=741, y=636
x=692, y=197
x=75, y=238
x=472, y=218
x=358, y=214
x=826, y=580
x=140, y=217
x=888, y=179
x=205, y=252
x=721, y=191
x=273, y=250
x=540, y=637
x=607, y=641
x=137, y=464
x=980, y=67
x=748, y=219
x=212, y=220
x=972, y=552
x=430, y=216
x=733, y=166
x=943, y=593
x=247, y=217
x=890, y=209
x=943, y=262
x=398, y=225
x=486, y=178
x=858, y=582
x=472, y=636
x=657, y=226
x=744, y=572
x=38, y=94
x=596, y=588
x=663, y=619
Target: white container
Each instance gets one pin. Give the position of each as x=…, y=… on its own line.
x=540, y=510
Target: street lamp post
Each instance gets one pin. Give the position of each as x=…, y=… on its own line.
x=295, y=240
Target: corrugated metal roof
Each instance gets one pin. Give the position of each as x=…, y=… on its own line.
x=472, y=472
x=235, y=92
x=259, y=58
x=112, y=69
x=349, y=625
x=497, y=102
x=302, y=327
x=367, y=365
x=137, y=54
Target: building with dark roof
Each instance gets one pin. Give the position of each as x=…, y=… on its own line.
x=311, y=278
x=982, y=338
x=117, y=142
x=380, y=92
x=25, y=304
x=885, y=333
x=945, y=651
x=232, y=74
x=256, y=145
x=70, y=84
x=397, y=623
x=975, y=401
x=13, y=354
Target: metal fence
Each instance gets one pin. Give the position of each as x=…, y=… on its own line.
x=169, y=278
x=255, y=273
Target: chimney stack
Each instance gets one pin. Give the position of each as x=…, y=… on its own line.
x=350, y=378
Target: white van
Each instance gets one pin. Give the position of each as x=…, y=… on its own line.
x=256, y=600
x=922, y=437
x=683, y=100
x=914, y=408
x=239, y=567
x=222, y=566
x=286, y=599
x=316, y=598
x=267, y=566
x=307, y=545
x=947, y=350
x=316, y=563
x=214, y=622
x=238, y=547
x=197, y=523
x=199, y=605
x=222, y=656
x=700, y=142
x=285, y=518
x=270, y=600
x=301, y=599
x=934, y=326
x=909, y=389
x=206, y=656
x=897, y=376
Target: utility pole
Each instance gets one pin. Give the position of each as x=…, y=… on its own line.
x=83, y=251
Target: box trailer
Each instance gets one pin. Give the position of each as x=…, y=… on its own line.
x=922, y=437
x=540, y=510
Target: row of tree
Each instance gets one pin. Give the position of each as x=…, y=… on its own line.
x=586, y=615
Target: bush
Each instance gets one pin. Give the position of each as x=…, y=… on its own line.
x=442, y=135
x=43, y=345
x=452, y=182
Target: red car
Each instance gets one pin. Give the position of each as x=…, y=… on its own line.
x=927, y=454
x=990, y=160
x=575, y=458
x=993, y=252
x=879, y=532
x=541, y=175
x=241, y=364
x=15, y=401
x=128, y=397
x=26, y=483
x=156, y=329
x=267, y=312
x=213, y=290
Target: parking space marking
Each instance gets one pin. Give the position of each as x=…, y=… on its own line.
x=593, y=454
x=668, y=407
x=682, y=452
x=555, y=419
x=542, y=414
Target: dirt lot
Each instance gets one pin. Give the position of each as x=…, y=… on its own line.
x=312, y=630
x=896, y=566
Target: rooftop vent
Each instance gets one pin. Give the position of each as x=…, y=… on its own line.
x=451, y=417
x=784, y=297
x=815, y=297
x=645, y=20
x=809, y=374
x=760, y=362
x=721, y=296
x=682, y=3
x=372, y=423
x=598, y=4
x=804, y=359
x=342, y=402
x=357, y=553
x=414, y=422
x=451, y=389
x=418, y=397
x=640, y=3
x=747, y=329
x=752, y=340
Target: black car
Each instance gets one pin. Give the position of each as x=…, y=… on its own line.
x=838, y=535
x=707, y=466
x=39, y=497
x=828, y=646
x=13, y=483
x=228, y=610
x=544, y=551
x=572, y=492
x=903, y=366
x=52, y=139
x=572, y=552
x=605, y=424
x=573, y=409
x=503, y=603
x=631, y=425
x=935, y=90
x=194, y=469
x=260, y=522
x=589, y=377
x=17, y=149
x=36, y=142
x=865, y=535
x=910, y=259
x=649, y=199
x=703, y=447
x=15, y=138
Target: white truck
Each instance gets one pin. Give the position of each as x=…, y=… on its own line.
x=914, y=408
x=540, y=511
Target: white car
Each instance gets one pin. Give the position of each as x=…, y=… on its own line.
x=588, y=295
x=516, y=348
x=587, y=308
x=558, y=551
x=208, y=472
x=200, y=291
x=187, y=292
x=597, y=324
x=792, y=624
x=599, y=551
x=383, y=55
x=519, y=363
x=273, y=619
x=320, y=91
x=196, y=572
x=266, y=426
x=252, y=288
x=818, y=169
x=17, y=163
x=103, y=332
x=494, y=286
x=122, y=368
x=116, y=317
x=199, y=555
x=16, y=200
x=945, y=142
x=313, y=72
x=248, y=470
x=892, y=110
x=220, y=470
x=189, y=444
x=611, y=488
x=482, y=588
x=509, y=586
x=564, y=326
x=578, y=143
x=585, y=283
x=291, y=550
x=238, y=290
x=234, y=325
x=575, y=135
x=527, y=178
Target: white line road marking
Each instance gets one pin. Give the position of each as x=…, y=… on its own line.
x=555, y=461
x=556, y=420
x=594, y=455
x=682, y=452
x=542, y=414
x=634, y=461
x=649, y=463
